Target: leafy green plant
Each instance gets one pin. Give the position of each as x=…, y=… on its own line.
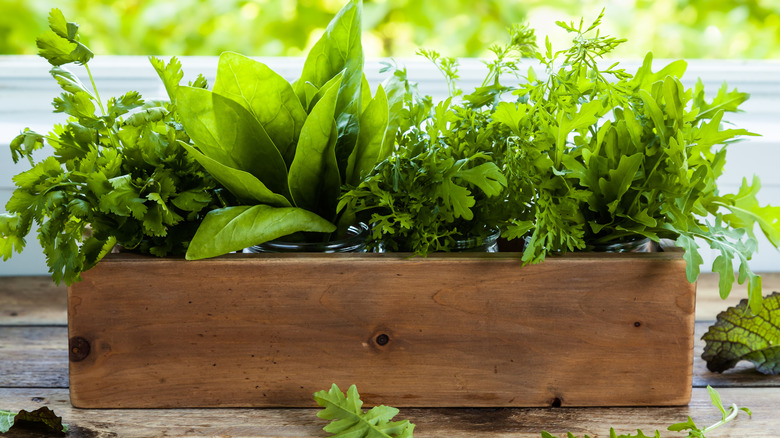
x=693, y=430
x=741, y=334
x=350, y=420
x=611, y=156
x=42, y=415
x=116, y=175
x=284, y=150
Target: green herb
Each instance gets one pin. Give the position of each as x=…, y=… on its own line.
x=694, y=431
x=116, y=175
x=610, y=156
x=351, y=421
x=742, y=334
x=284, y=150
x=42, y=415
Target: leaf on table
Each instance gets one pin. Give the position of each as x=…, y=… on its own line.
x=739, y=334
x=351, y=421
x=42, y=415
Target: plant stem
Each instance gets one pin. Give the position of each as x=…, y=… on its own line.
x=732, y=415
x=94, y=88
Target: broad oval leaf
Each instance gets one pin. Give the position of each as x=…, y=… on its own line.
x=265, y=94
x=243, y=185
x=226, y=132
x=373, y=124
x=234, y=228
x=314, y=176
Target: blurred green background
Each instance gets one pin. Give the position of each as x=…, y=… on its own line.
x=669, y=28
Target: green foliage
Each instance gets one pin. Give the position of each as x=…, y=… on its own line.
x=42, y=415
x=351, y=421
x=693, y=430
x=669, y=28
x=290, y=147
x=742, y=334
x=116, y=175
x=437, y=187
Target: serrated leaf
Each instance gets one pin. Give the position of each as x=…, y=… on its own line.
x=486, y=176
x=741, y=334
x=352, y=422
x=171, y=74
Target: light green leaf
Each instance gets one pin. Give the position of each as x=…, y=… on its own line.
x=339, y=49
x=510, y=114
x=486, y=176
x=245, y=186
x=693, y=259
x=746, y=212
x=373, y=124
x=620, y=179
x=314, y=176
x=352, y=422
x=266, y=95
x=170, y=74
x=233, y=228
x=227, y=133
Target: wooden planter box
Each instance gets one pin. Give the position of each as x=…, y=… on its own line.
x=261, y=330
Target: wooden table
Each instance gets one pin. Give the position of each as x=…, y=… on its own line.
x=34, y=373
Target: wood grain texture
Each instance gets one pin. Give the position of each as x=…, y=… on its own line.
x=33, y=357
x=32, y=300
x=460, y=330
x=432, y=422
x=37, y=357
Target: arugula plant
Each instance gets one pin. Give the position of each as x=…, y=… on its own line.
x=284, y=150
x=612, y=156
x=117, y=174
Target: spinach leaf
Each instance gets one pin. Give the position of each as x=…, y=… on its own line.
x=339, y=49
x=266, y=95
x=234, y=228
x=227, y=133
x=370, y=147
x=314, y=174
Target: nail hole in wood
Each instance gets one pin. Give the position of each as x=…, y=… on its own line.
x=637, y=324
x=382, y=339
x=556, y=403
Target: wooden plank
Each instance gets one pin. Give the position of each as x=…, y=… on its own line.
x=34, y=300
x=30, y=300
x=432, y=422
x=463, y=330
x=33, y=357
x=37, y=357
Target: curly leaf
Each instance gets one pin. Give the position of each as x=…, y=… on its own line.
x=234, y=228
x=60, y=45
x=739, y=334
x=41, y=415
x=352, y=422
x=170, y=74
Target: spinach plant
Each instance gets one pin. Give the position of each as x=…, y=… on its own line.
x=117, y=174
x=284, y=150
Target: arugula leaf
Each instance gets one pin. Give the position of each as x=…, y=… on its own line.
x=351, y=421
x=742, y=334
x=234, y=228
x=42, y=415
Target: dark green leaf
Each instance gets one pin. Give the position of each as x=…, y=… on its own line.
x=42, y=415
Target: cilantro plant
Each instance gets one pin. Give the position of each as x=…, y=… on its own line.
x=350, y=420
x=116, y=174
x=284, y=150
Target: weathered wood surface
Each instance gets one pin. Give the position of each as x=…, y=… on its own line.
x=32, y=300
x=430, y=422
x=472, y=330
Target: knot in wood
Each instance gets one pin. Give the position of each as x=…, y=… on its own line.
x=78, y=348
